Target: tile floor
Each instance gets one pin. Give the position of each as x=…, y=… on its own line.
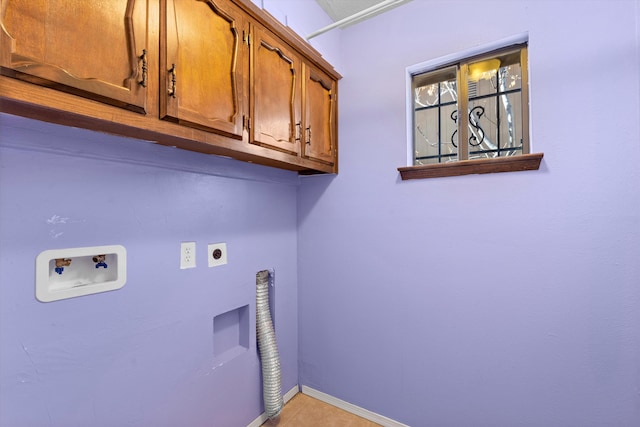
x=305, y=411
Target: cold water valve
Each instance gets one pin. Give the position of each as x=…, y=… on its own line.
x=99, y=260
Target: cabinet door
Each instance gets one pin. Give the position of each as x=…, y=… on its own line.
x=203, y=57
x=92, y=49
x=320, y=115
x=275, y=94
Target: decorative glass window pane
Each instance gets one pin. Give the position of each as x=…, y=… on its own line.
x=511, y=125
x=482, y=128
x=449, y=146
x=435, y=101
x=427, y=130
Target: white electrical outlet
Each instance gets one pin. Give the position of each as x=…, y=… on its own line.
x=187, y=255
x=217, y=254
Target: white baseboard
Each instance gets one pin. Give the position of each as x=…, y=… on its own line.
x=263, y=417
x=356, y=410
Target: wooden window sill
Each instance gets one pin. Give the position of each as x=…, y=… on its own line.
x=525, y=162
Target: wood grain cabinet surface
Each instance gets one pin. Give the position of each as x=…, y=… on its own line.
x=319, y=92
x=214, y=76
x=275, y=95
x=93, y=49
x=202, y=70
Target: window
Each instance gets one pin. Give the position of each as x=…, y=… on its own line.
x=492, y=91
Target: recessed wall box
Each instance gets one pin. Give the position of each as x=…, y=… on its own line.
x=74, y=272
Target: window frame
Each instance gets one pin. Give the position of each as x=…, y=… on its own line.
x=525, y=161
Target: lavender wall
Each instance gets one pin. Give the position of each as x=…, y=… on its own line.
x=305, y=17
x=494, y=300
x=142, y=355
x=508, y=299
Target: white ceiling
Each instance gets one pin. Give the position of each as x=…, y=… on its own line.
x=340, y=9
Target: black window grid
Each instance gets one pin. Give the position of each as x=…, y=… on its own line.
x=440, y=105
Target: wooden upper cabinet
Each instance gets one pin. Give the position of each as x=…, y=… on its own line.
x=202, y=65
x=275, y=95
x=319, y=92
x=93, y=49
x=215, y=76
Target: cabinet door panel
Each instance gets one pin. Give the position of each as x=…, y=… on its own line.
x=92, y=49
x=203, y=69
x=319, y=137
x=275, y=94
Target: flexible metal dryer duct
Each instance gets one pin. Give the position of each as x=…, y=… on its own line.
x=271, y=376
